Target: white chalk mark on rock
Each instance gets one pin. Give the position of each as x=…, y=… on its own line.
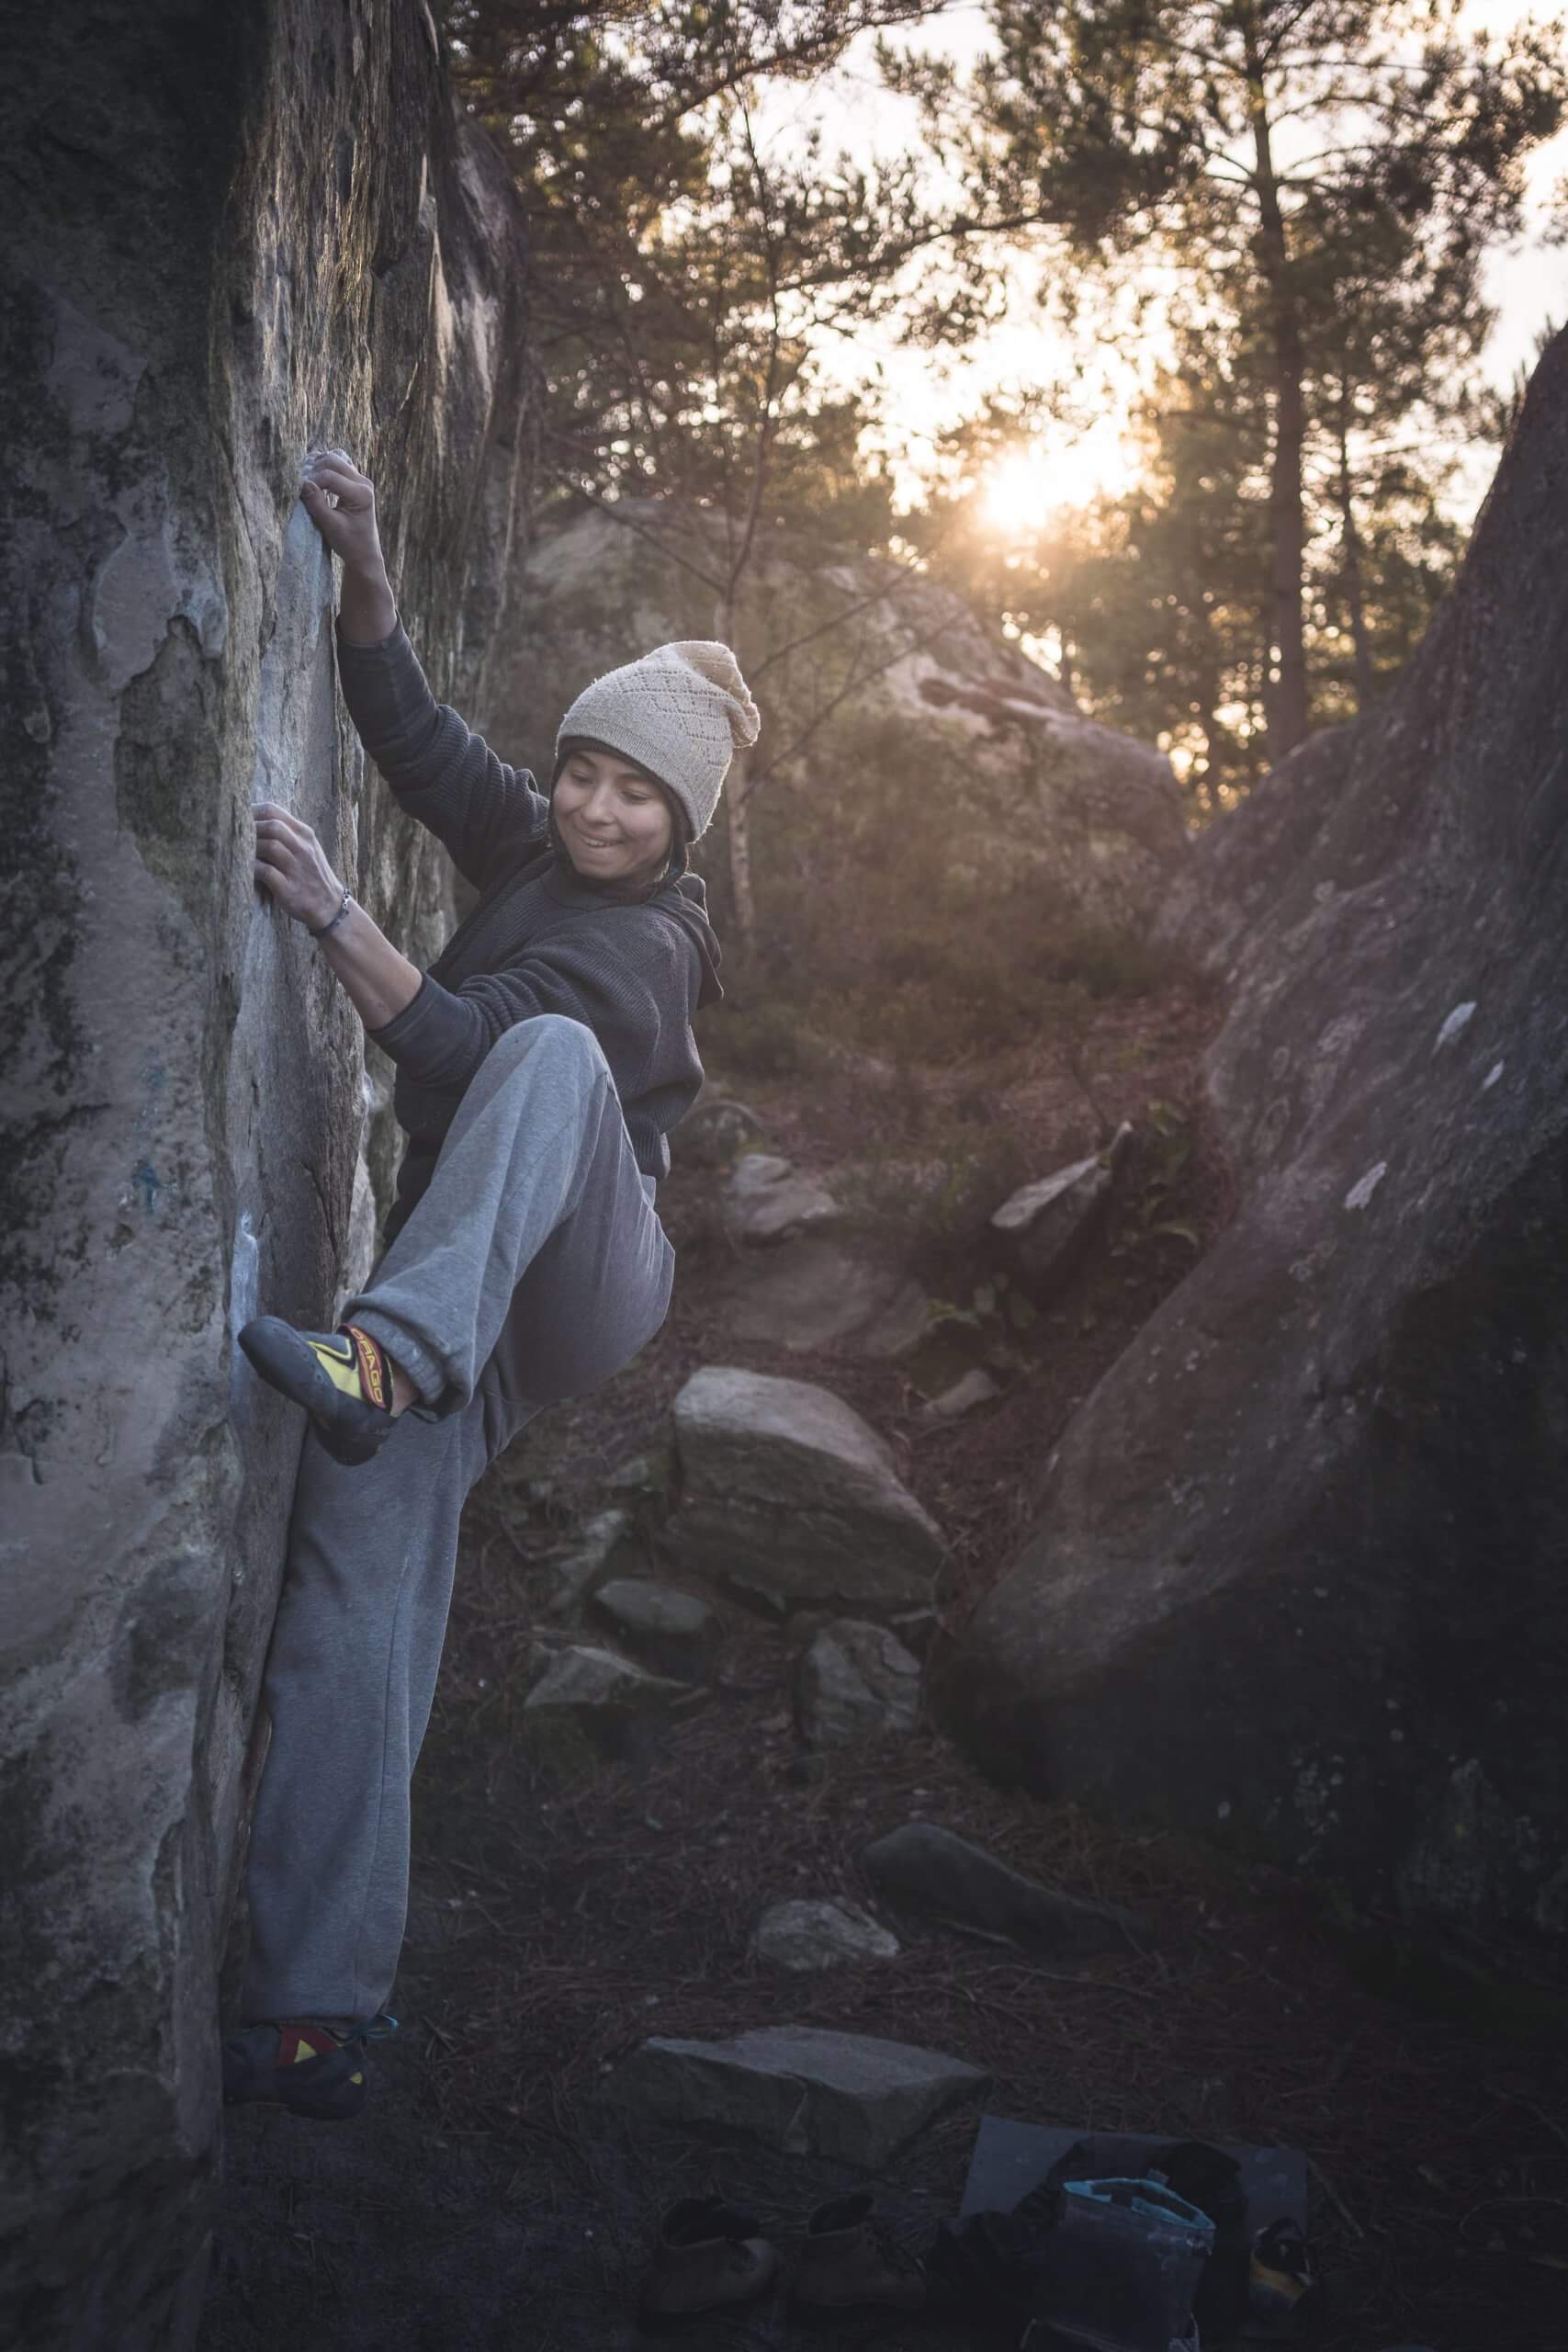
x=1457, y=1022
x=1361, y=1192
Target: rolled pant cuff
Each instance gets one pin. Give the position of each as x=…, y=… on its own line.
x=407, y=1352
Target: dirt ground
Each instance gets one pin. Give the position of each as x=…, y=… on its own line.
x=494, y=2195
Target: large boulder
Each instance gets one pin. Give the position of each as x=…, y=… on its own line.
x=1297, y=1575
x=887, y=677
x=268, y=227
x=786, y=1491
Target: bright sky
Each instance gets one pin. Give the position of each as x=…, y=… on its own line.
x=923, y=393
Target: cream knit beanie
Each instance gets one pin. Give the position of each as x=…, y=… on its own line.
x=680, y=712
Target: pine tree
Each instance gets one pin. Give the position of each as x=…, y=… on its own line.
x=1137, y=129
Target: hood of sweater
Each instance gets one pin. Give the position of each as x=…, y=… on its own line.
x=683, y=897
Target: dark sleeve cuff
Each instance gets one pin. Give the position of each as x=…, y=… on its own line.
x=437, y=1038
x=354, y=645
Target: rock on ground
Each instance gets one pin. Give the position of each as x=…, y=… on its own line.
x=787, y=1490
x=801, y=1936
x=766, y=1198
x=588, y=1706
x=273, y=228
x=1044, y=1229
x=925, y=1868
x=714, y=1132
x=800, y=2088
x=972, y=1389
x=855, y=1681
x=809, y=1293
x=643, y=1481
x=603, y=1544
x=673, y=1631
x=1038, y=790
x=1296, y=1578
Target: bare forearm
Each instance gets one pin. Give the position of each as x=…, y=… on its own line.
x=367, y=611
x=380, y=982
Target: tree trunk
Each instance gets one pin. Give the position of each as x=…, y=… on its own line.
x=738, y=835
x=1351, y=542
x=1287, y=694
x=737, y=816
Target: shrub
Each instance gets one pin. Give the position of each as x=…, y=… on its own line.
x=767, y=1039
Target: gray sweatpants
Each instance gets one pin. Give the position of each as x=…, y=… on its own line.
x=533, y=1266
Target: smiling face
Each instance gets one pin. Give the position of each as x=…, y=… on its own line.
x=615, y=823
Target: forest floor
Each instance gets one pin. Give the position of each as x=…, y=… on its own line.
x=495, y=2195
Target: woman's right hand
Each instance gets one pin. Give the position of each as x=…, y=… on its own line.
x=348, y=525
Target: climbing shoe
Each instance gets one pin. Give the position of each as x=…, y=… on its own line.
x=847, y=2262
x=709, y=2256
x=311, y=2069
x=343, y=1379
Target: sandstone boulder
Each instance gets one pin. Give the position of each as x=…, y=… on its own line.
x=787, y=1490
x=920, y=687
x=270, y=228
x=1297, y=1575
x=855, y=1681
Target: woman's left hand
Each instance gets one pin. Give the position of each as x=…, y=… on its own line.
x=292, y=866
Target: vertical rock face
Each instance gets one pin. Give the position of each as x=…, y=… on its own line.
x=234, y=233
x=1298, y=1576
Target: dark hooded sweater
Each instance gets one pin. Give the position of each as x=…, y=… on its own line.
x=632, y=967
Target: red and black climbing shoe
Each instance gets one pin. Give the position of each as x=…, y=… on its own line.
x=343, y=1379
x=310, y=2068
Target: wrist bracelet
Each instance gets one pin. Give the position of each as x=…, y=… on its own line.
x=347, y=902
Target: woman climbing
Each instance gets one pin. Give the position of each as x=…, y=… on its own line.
x=541, y=1062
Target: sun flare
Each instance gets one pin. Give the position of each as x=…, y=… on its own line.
x=1023, y=490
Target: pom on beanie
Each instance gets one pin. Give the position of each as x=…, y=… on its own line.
x=680, y=712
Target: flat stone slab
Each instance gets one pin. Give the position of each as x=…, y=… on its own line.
x=803, y=1935
x=766, y=1198
x=930, y=1870
x=811, y=1292
x=785, y=1490
x=803, y=2089
x=855, y=1681
x=673, y=1631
